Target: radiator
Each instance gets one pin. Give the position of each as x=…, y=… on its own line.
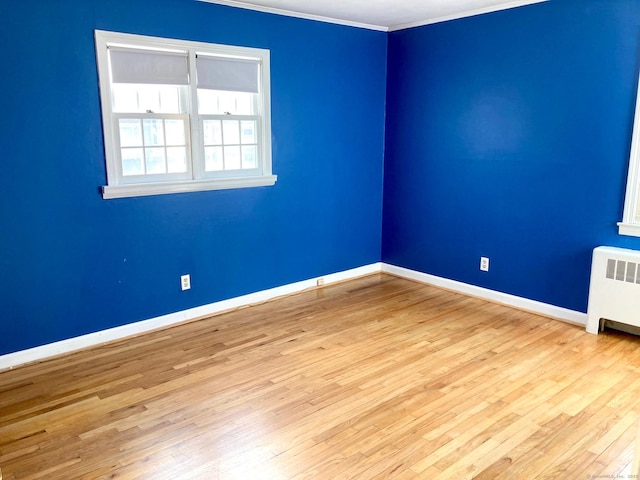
x=614, y=293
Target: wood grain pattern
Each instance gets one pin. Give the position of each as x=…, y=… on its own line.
x=376, y=378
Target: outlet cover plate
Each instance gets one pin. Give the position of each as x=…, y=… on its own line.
x=484, y=264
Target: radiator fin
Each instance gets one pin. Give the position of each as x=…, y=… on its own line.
x=620, y=270
x=611, y=268
x=623, y=271
x=631, y=272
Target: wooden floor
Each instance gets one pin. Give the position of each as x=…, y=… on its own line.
x=375, y=378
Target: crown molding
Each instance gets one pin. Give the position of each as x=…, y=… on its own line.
x=465, y=14
x=368, y=26
x=290, y=13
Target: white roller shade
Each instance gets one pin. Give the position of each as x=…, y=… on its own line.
x=229, y=74
x=148, y=66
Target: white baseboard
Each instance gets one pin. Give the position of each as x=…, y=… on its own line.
x=40, y=353
x=564, y=314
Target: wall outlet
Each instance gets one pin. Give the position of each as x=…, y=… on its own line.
x=484, y=264
x=185, y=282
x=320, y=282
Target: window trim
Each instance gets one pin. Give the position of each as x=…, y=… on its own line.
x=158, y=188
x=116, y=187
x=628, y=226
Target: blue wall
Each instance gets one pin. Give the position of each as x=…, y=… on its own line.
x=72, y=263
x=508, y=136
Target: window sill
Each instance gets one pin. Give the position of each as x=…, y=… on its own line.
x=145, y=189
x=632, y=229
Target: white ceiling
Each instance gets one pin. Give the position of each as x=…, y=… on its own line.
x=382, y=15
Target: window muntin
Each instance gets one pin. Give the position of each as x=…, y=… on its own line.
x=186, y=112
x=153, y=145
x=230, y=144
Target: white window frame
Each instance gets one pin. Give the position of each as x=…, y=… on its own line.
x=629, y=226
x=118, y=186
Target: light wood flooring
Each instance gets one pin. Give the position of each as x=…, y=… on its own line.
x=374, y=378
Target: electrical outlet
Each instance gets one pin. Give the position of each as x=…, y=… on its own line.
x=320, y=282
x=484, y=264
x=185, y=282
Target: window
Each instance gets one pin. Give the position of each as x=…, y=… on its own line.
x=182, y=116
x=630, y=224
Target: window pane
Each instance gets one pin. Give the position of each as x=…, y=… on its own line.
x=176, y=159
x=132, y=161
x=143, y=98
x=125, y=98
x=213, y=159
x=153, y=132
x=216, y=102
x=155, y=160
x=231, y=131
x=212, y=132
x=207, y=102
x=227, y=102
x=249, y=157
x=169, y=99
x=148, y=99
x=232, y=158
x=130, y=132
x=248, y=131
x=244, y=103
x=174, y=131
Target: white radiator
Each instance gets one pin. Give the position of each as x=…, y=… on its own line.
x=614, y=293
